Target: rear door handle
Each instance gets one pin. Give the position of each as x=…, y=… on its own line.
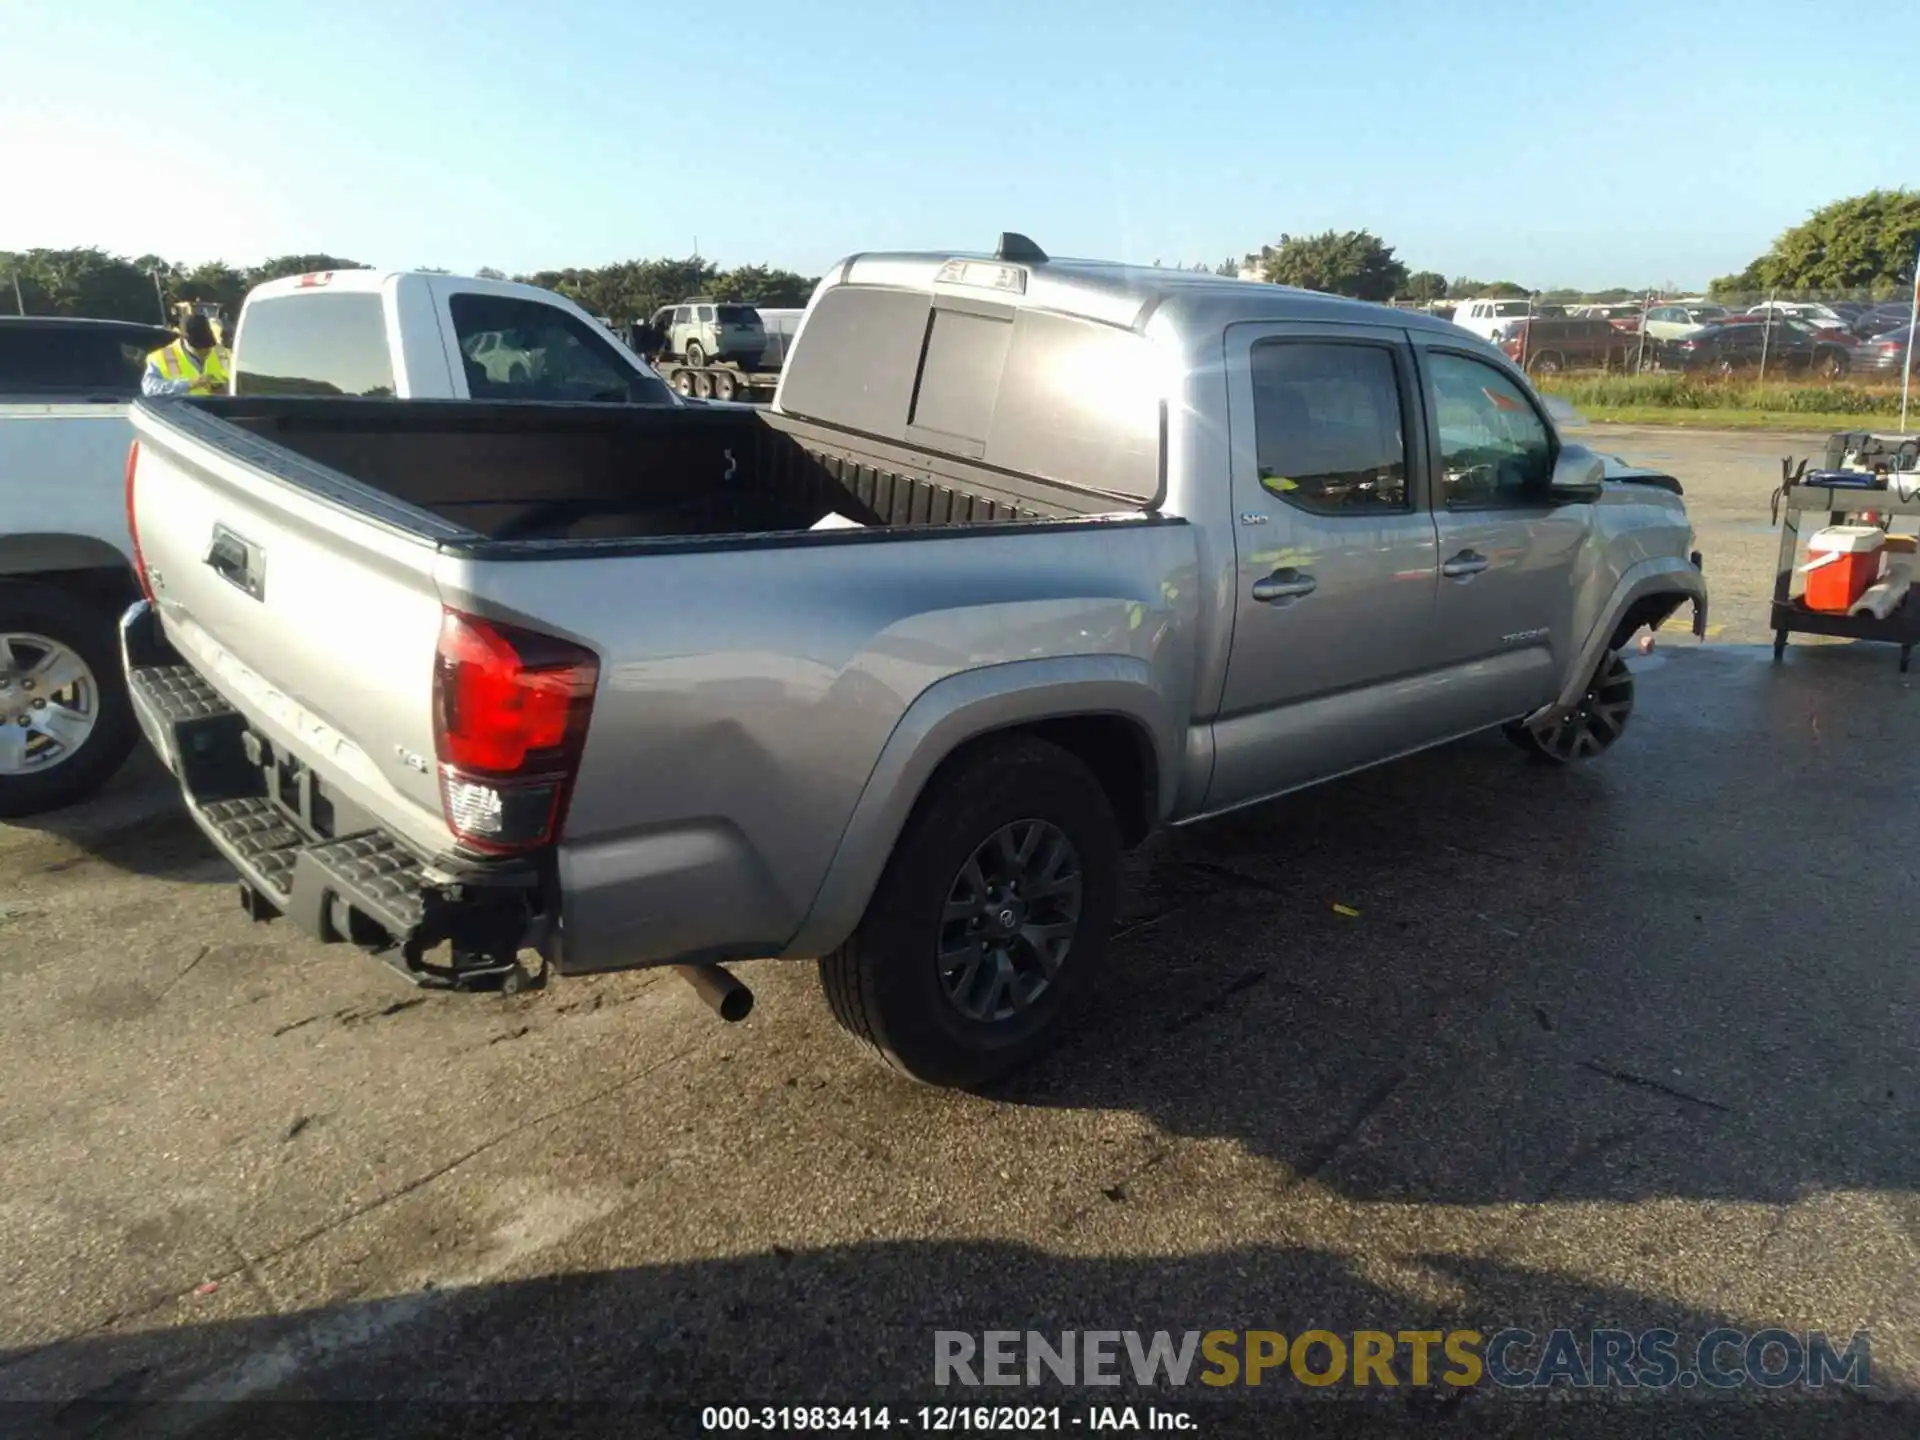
x=1285, y=584
x=1464, y=564
x=238, y=561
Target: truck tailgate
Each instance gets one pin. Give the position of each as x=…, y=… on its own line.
x=310, y=608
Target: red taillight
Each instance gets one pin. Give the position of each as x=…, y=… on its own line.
x=510, y=711
x=133, y=525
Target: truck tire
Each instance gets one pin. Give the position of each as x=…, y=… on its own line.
x=703, y=385
x=683, y=383
x=696, y=353
x=63, y=700
x=991, y=917
x=1547, y=362
x=722, y=385
x=1596, y=723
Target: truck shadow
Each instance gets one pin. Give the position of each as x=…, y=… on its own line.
x=1465, y=978
x=136, y=823
x=638, y=1351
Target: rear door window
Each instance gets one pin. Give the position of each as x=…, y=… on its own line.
x=315, y=344
x=1329, y=429
x=515, y=349
x=739, y=315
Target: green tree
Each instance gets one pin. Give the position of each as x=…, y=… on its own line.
x=1353, y=262
x=282, y=266
x=213, y=280
x=1739, y=285
x=487, y=272
x=1464, y=289
x=760, y=285
x=1425, y=286
x=88, y=283
x=1863, y=242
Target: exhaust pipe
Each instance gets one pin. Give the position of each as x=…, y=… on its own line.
x=725, y=996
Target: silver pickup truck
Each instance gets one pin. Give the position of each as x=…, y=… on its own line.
x=1029, y=558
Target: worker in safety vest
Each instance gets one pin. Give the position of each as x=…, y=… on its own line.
x=192, y=365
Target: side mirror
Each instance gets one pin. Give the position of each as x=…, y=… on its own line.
x=1579, y=476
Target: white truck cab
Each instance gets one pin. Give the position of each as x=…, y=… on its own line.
x=1488, y=318
x=407, y=335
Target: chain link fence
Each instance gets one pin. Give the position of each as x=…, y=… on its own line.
x=1859, y=336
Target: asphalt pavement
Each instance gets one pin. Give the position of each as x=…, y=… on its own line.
x=1462, y=1042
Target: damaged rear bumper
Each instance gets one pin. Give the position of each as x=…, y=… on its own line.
x=311, y=857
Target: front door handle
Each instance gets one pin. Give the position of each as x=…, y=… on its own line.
x=1284, y=584
x=1464, y=564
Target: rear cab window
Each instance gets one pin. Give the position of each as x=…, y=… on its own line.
x=1027, y=391
x=85, y=360
x=315, y=343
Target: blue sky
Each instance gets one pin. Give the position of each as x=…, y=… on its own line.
x=1551, y=143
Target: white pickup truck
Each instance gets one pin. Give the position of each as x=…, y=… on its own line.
x=65, y=563
x=65, y=554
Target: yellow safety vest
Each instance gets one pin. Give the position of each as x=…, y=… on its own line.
x=176, y=362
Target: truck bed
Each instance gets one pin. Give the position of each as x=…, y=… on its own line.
x=503, y=474
x=306, y=557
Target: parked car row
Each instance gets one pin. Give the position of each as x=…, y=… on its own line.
x=1740, y=343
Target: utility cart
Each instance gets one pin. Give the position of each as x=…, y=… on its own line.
x=1858, y=488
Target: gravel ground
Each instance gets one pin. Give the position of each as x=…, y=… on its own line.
x=1629, y=1045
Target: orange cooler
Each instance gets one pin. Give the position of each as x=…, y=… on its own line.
x=1845, y=560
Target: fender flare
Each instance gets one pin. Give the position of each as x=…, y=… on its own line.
x=1663, y=575
x=25, y=556
x=950, y=713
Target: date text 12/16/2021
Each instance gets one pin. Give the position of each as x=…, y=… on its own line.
x=946, y=1419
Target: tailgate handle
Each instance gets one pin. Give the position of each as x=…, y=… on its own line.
x=238, y=561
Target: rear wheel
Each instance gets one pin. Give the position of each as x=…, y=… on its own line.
x=991, y=917
x=696, y=353
x=723, y=386
x=1830, y=365
x=1547, y=362
x=1592, y=726
x=703, y=385
x=66, y=724
x=683, y=382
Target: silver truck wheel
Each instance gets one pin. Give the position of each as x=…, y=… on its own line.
x=49, y=702
x=65, y=721
x=1592, y=726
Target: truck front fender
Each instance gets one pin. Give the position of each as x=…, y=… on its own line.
x=965, y=707
x=1658, y=578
